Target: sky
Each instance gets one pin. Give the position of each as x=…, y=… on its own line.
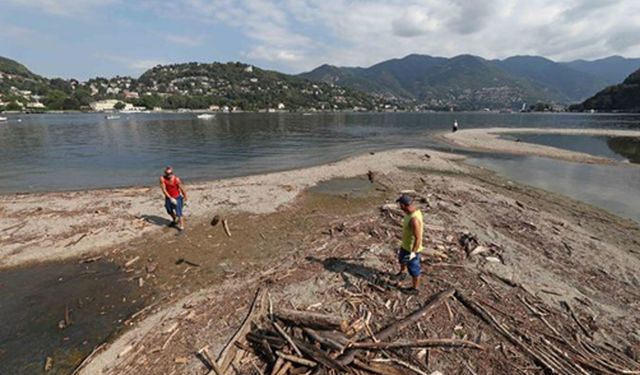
x=88, y=38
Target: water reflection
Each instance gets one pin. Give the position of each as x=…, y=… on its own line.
x=627, y=147
x=613, y=188
x=618, y=148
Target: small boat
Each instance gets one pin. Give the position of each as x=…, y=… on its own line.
x=206, y=116
x=112, y=117
x=3, y=119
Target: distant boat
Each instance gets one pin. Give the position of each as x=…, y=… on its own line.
x=3, y=119
x=112, y=117
x=206, y=116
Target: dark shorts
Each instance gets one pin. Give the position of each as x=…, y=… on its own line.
x=174, y=209
x=413, y=265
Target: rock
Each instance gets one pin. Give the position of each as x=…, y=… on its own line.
x=215, y=220
x=371, y=176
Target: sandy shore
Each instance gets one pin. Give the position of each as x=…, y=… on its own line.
x=489, y=139
x=53, y=226
x=538, y=247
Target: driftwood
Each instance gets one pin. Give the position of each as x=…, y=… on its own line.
x=225, y=225
x=323, y=340
x=225, y=357
x=284, y=334
x=541, y=358
x=312, y=319
x=72, y=243
x=204, y=354
x=399, y=325
x=377, y=368
x=295, y=359
x=424, y=343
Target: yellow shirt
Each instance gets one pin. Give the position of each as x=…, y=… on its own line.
x=408, y=238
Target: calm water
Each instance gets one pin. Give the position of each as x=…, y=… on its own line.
x=617, y=148
x=614, y=188
x=76, y=151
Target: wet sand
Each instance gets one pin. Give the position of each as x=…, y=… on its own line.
x=54, y=226
x=490, y=139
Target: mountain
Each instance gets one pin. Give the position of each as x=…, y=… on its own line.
x=189, y=85
x=611, y=70
x=624, y=97
x=469, y=82
x=462, y=82
x=560, y=79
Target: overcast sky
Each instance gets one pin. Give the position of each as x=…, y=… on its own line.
x=87, y=38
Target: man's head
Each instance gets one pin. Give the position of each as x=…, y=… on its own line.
x=168, y=172
x=406, y=203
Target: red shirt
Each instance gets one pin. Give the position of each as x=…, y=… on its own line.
x=172, y=184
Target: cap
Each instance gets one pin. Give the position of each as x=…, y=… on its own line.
x=405, y=199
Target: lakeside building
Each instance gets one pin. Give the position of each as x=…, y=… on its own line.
x=109, y=105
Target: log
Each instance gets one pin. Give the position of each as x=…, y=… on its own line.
x=321, y=357
x=204, y=354
x=284, y=334
x=312, y=319
x=324, y=341
x=225, y=358
x=423, y=343
x=428, y=308
x=483, y=314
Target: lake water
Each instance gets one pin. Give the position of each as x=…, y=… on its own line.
x=78, y=151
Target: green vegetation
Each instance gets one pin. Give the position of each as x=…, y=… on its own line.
x=190, y=85
x=624, y=97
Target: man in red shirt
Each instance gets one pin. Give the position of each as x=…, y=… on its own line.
x=174, y=195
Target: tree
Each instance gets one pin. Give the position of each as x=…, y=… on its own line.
x=119, y=106
x=13, y=106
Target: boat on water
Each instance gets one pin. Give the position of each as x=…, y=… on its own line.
x=206, y=116
x=112, y=117
x=3, y=119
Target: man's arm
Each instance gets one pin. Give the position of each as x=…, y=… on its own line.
x=182, y=191
x=417, y=233
x=164, y=189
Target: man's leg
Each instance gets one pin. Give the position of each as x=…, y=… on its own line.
x=179, y=213
x=169, y=207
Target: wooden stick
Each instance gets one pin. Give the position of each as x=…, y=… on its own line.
x=312, y=319
x=423, y=343
x=169, y=338
x=284, y=334
x=295, y=359
x=225, y=225
x=573, y=315
x=427, y=309
x=376, y=369
x=224, y=359
x=76, y=241
x=401, y=363
x=493, y=322
x=204, y=353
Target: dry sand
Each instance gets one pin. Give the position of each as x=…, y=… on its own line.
x=489, y=139
x=49, y=226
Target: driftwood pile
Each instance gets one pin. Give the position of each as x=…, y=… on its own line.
x=287, y=341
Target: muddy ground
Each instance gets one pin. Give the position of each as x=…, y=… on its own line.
x=541, y=253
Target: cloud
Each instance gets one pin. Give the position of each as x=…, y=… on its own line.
x=134, y=64
x=64, y=7
x=413, y=22
x=271, y=54
x=18, y=32
x=184, y=40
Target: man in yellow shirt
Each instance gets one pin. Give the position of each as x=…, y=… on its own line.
x=409, y=254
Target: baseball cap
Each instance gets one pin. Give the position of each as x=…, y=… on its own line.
x=405, y=199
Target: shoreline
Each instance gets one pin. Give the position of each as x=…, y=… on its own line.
x=543, y=243
x=489, y=140
x=72, y=224
x=524, y=228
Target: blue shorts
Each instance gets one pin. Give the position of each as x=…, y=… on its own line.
x=413, y=265
x=174, y=208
